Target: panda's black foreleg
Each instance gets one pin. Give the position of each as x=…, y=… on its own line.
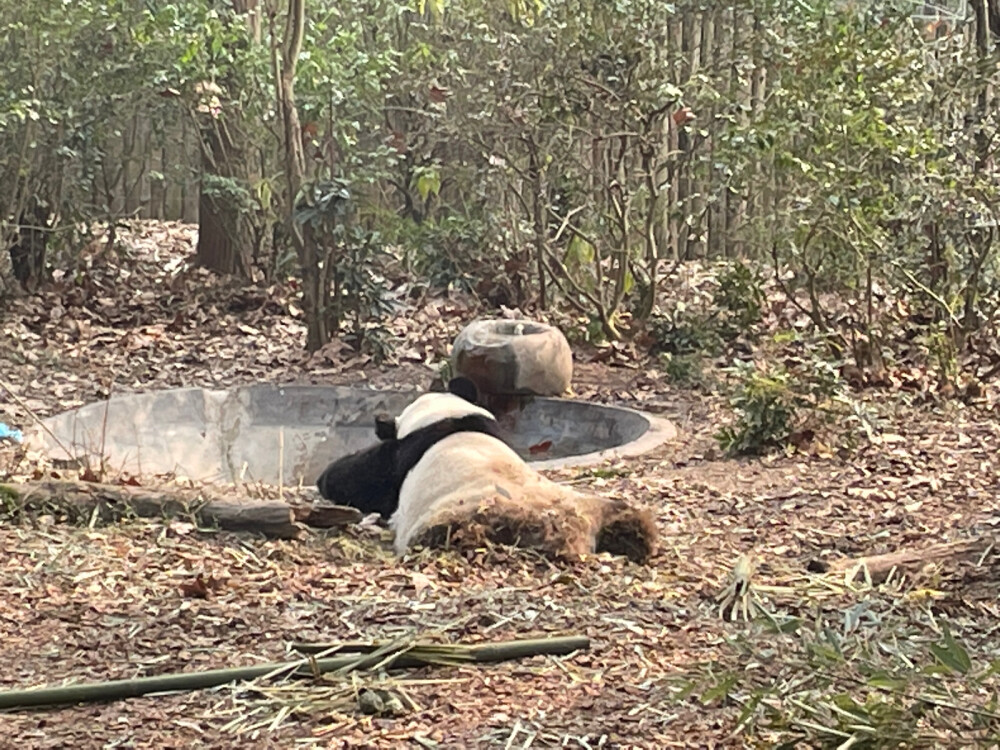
x=364, y=480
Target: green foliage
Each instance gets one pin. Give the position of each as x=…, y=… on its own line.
x=765, y=406
x=740, y=297
x=453, y=250
x=341, y=90
x=494, y=140
x=9, y=498
x=950, y=653
x=940, y=352
x=532, y=106
x=586, y=329
x=229, y=192
x=798, y=396
x=324, y=207
x=352, y=263
x=362, y=291
x=684, y=370
x=683, y=331
x=703, y=323
x=427, y=181
x=73, y=74
x=862, y=177
x=878, y=679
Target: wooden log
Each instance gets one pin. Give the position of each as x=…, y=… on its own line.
x=326, y=516
x=912, y=560
x=81, y=501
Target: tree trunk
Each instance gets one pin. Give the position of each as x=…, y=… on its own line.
x=986, y=20
x=908, y=561
x=315, y=286
x=227, y=224
x=539, y=219
x=27, y=254
x=226, y=229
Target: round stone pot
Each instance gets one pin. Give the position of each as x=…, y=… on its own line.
x=516, y=357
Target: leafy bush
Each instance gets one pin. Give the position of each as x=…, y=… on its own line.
x=791, y=403
x=686, y=370
x=445, y=252
x=740, y=298
x=838, y=684
x=765, y=407
x=704, y=323
x=683, y=332
x=353, y=288
x=361, y=293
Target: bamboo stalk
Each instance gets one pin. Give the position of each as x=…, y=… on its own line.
x=507, y=650
x=416, y=656
x=481, y=654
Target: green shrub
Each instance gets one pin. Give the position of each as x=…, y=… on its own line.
x=793, y=403
x=740, y=299
x=687, y=370
x=765, y=409
x=683, y=332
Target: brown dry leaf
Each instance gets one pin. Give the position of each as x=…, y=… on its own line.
x=420, y=582
x=181, y=528
x=200, y=587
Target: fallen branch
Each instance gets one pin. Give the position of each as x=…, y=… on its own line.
x=82, y=501
x=386, y=656
x=878, y=567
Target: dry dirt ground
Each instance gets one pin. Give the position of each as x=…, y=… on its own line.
x=906, y=662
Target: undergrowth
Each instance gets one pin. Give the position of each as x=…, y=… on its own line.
x=860, y=678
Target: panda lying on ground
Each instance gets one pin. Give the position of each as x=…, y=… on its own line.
x=447, y=477
x=370, y=480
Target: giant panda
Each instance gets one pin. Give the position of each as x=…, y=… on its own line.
x=470, y=486
x=370, y=479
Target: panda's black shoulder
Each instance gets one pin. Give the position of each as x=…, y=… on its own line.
x=473, y=423
x=365, y=466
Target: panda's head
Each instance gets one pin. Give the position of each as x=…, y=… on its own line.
x=432, y=408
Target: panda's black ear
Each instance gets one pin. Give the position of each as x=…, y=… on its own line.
x=385, y=427
x=464, y=388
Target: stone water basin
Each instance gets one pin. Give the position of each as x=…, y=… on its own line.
x=288, y=434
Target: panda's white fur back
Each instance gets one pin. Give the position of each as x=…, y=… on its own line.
x=434, y=407
x=465, y=469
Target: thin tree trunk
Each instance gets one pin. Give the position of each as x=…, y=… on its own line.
x=540, y=218
x=225, y=232
x=315, y=290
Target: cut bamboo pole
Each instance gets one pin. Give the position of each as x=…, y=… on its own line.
x=419, y=655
